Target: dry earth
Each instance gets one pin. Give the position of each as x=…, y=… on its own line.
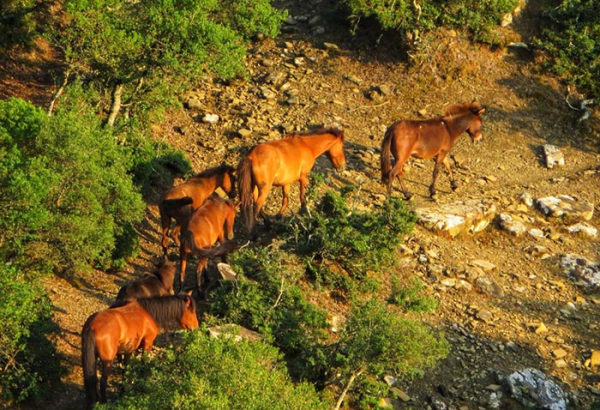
x=298, y=83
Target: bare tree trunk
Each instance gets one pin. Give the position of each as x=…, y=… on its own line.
x=116, y=104
x=58, y=92
x=348, y=385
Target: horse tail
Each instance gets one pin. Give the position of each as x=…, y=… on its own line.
x=245, y=189
x=88, y=362
x=385, y=160
x=167, y=205
x=122, y=293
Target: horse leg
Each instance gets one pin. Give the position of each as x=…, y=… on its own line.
x=453, y=184
x=398, y=172
x=436, y=170
x=175, y=233
x=202, y=262
x=106, y=369
x=165, y=221
x=303, y=184
x=285, y=190
x=263, y=191
x=183, y=264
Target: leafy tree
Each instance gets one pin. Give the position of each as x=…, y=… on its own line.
x=375, y=340
x=28, y=360
x=131, y=47
x=213, y=373
x=65, y=193
x=19, y=21
x=411, y=18
x=571, y=37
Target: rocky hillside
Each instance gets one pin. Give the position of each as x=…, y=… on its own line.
x=510, y=298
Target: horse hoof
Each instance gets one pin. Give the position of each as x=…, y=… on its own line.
x=454, y=187
x=408, y=197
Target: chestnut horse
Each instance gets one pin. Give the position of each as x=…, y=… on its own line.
x=427, y=139
x=282, y=162
x=158, y=283
x=210, y=223
x=123, y=329
x=180, y=201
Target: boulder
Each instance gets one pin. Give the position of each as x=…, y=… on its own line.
x=534, y=389
x=565, y=206
x=459, y=217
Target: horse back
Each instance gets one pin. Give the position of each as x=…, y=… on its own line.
x=281, y=162
x=122, y=330
x=422, y=139
x=207, y=223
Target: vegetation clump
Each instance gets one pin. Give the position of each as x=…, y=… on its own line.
x=208, y=373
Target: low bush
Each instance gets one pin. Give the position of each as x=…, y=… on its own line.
x=355, y=241
x=571, y=37
x=29, y=361
x=209, y=373
x=410, y=297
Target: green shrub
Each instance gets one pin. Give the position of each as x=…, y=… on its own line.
x=29, y=362
x=212, y=374
x=376, y=340
x=355, y=241
x=571, y=37
x=267, y=298
x=65, y=192
x=478, y=18
x=410, y=297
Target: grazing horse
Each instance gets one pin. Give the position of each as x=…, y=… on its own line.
x=427, y=139
x=211, y=222
x=180, y=201
x=158, y=283
x=282, y=162
x=123, y=329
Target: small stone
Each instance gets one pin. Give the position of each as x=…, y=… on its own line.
x=401, y=394
x=541, y=328
x=210, y=118
x=559, y=353
x=244, y=132
x=593, y=360
x=559, y=364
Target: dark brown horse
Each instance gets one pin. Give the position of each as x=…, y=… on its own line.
x=158, y=283
x=123, y=329
x=427, y=139
x=210, y=223
x=180, y=201
x=281, y=163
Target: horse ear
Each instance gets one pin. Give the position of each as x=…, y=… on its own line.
x=481, y=111
x=189, y=293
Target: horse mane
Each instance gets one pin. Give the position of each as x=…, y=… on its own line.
x=166, y=310
x=211, y=172
x=335, y=131
x=456, y=109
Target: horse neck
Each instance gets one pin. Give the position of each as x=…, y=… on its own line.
x=318, y=144
x=457, y=124
x=166, y=311
x=207, y=182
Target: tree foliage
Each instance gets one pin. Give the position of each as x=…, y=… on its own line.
x=130, y=48
x=28, y=360
x=65, y=192
x=571, y=37
x=214, y=373
x=478, y=18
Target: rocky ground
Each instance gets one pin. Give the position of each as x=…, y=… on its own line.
x=506, y=304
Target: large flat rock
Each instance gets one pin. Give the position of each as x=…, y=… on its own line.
x=470, y=216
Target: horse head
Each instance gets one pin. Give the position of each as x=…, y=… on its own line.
x=474, y=128
x=189, y=319
x=336, y=151
x=228, y=183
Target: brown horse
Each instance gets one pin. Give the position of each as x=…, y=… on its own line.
x=123, y=329
x=210, y=223
x=427, y=139
x=158, y=283
x=180, y=201
x=282, y=162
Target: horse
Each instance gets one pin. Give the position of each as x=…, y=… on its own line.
x=282, y=162
x=123, y=329
x=158, y=283
x=211, y=222
x=427, y=139
x=180, y=201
